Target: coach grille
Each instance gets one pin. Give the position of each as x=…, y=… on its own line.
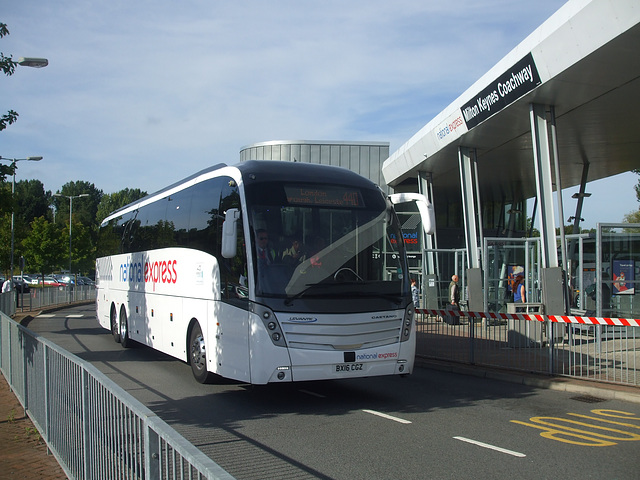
x=342, y=333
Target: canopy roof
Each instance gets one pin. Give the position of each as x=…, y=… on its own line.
x=584, y=61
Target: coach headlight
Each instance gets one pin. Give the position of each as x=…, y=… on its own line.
x=407, y=323
x=270, y=323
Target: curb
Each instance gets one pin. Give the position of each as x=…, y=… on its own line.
x=590, y=388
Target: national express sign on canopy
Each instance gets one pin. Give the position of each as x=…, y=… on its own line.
x=507, y=88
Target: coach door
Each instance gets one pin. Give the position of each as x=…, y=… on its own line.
x=232, y=342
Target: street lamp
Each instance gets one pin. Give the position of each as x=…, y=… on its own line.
x=33, y=62
x=24, y=62
x=70, y=197
x=13, y=191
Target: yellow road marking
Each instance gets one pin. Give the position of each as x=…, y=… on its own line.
x=565, y=430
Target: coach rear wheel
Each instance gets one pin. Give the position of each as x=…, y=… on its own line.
x=114, y=324
x=197, y=355
x=125, y=341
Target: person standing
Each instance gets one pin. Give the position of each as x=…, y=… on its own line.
x=454, y=292
x=415, y=293
x=519, y=295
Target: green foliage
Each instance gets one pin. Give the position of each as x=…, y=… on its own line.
x=82, y=247
x=32, y=201
x=84, y=209
x=632, y=217
x=8, y=118
x=112, y=202
x=8, y=66
x=5, y=243
x=44, y=247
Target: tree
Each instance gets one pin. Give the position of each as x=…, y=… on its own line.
x=632, y=217
x=114, y=201
x=32, y=201
x=84, y=213
x=83, y=256
x=5, y=243
x=8, y=66
x=84, y=209
x=44, y=247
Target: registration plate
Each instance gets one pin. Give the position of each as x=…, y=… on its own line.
x=349, y=367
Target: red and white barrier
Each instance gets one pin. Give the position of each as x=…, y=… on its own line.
x=622, y=322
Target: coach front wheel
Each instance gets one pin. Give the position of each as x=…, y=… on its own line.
x=197, y=355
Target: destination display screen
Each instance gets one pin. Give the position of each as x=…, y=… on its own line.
x=324, y=196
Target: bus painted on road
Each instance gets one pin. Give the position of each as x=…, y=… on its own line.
x=265, y=271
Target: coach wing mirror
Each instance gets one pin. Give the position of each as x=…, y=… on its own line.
x=230, y=233
x=424, y=207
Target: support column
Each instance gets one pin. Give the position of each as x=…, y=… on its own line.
x=472, y=209
x=551, y=274
x=430, y=270
x=470, y=204
x=544, y=185
x=430, y=242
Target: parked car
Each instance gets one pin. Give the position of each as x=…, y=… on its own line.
x=85, y=281
x=49, y=281
x=19, y=285
x=63, y=280
x=27, y=278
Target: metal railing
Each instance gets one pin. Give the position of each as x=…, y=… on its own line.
x=607, y=353
x=92, y=426
x=38, y=298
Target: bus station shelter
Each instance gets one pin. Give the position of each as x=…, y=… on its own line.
x=559, y=110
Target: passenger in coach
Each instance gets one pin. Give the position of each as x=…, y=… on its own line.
x=294, y=255
x=266, y=254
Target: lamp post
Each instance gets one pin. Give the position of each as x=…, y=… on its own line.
x=13, y=191
x=24, y=62
x=70, y=197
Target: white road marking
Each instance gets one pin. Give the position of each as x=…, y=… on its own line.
x=78, y=315
x=388, y=417
x=46, y=315
x=491, y=447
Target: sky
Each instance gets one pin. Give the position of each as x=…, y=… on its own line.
x=142, y=93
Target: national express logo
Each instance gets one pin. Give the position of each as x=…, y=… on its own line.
x=409, y=237
x=376, y=356
x=151, y=272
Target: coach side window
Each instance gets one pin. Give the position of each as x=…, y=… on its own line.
x=110, y=238
x=127, y=229
x=178, y=206
x=232, y=270
x=205, y=202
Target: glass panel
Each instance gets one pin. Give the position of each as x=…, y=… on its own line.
x=334, y=243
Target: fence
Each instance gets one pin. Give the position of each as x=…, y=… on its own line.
x=39, y=297
x=93, y=427
x=592, y=348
